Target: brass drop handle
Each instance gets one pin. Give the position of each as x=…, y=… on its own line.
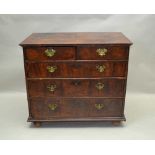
x=99, y=106
x=52, y=106
x=101, y=51
x=100, y=68
x=51, y=69
x=50, y=52
x=100, y=86
x=51, y=88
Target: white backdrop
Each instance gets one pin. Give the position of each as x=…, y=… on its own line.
x=141, y=77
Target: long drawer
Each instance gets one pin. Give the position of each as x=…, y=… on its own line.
x=46, y=108
x=76, y=69
x=77, y=87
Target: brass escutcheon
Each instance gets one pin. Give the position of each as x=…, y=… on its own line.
x=50, y=52
x=52, y=106
x=99, y=86
x=51, y=69
x=51, y=87
x=102, y=51
x=99, y=106
x=100, y=68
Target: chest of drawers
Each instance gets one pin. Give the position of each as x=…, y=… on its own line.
x=76, y=76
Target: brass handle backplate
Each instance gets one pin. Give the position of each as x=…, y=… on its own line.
x=52, y=106
x=51, y=87
x=50, y=52
x=99, y=106
x=99, y=86
x=51, y=69
x=100, y=68
x=102, y=51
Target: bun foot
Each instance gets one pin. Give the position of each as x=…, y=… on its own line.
x=37, y=124
x=116, y=123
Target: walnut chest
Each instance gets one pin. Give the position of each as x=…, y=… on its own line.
x=76, y=76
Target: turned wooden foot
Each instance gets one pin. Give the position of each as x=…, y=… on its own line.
x=37, y=124
x=116, y=123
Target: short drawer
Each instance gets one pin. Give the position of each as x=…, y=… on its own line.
x=49, y=53
x=46, y=108
x=77, y=87
x=77, y=69
x=103, y=52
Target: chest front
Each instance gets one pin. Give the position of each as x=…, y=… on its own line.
x=69, y=78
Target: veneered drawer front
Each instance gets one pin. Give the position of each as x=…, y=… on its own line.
x=103, y=53
x=76, y=69
x=56, y=88
x=49, y=53
x=77, y=87
x=45, y=108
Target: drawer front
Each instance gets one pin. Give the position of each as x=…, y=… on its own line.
x=76, y=69
x=103, y=52
x=46, y=108
x=49, y=53
x=76, y=87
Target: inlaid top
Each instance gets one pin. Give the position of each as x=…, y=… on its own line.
x=75, y=38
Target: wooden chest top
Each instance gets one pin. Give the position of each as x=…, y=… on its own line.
x=76, y=38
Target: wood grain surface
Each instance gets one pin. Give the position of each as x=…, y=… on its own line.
x=76, y=77
x=76, y=38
